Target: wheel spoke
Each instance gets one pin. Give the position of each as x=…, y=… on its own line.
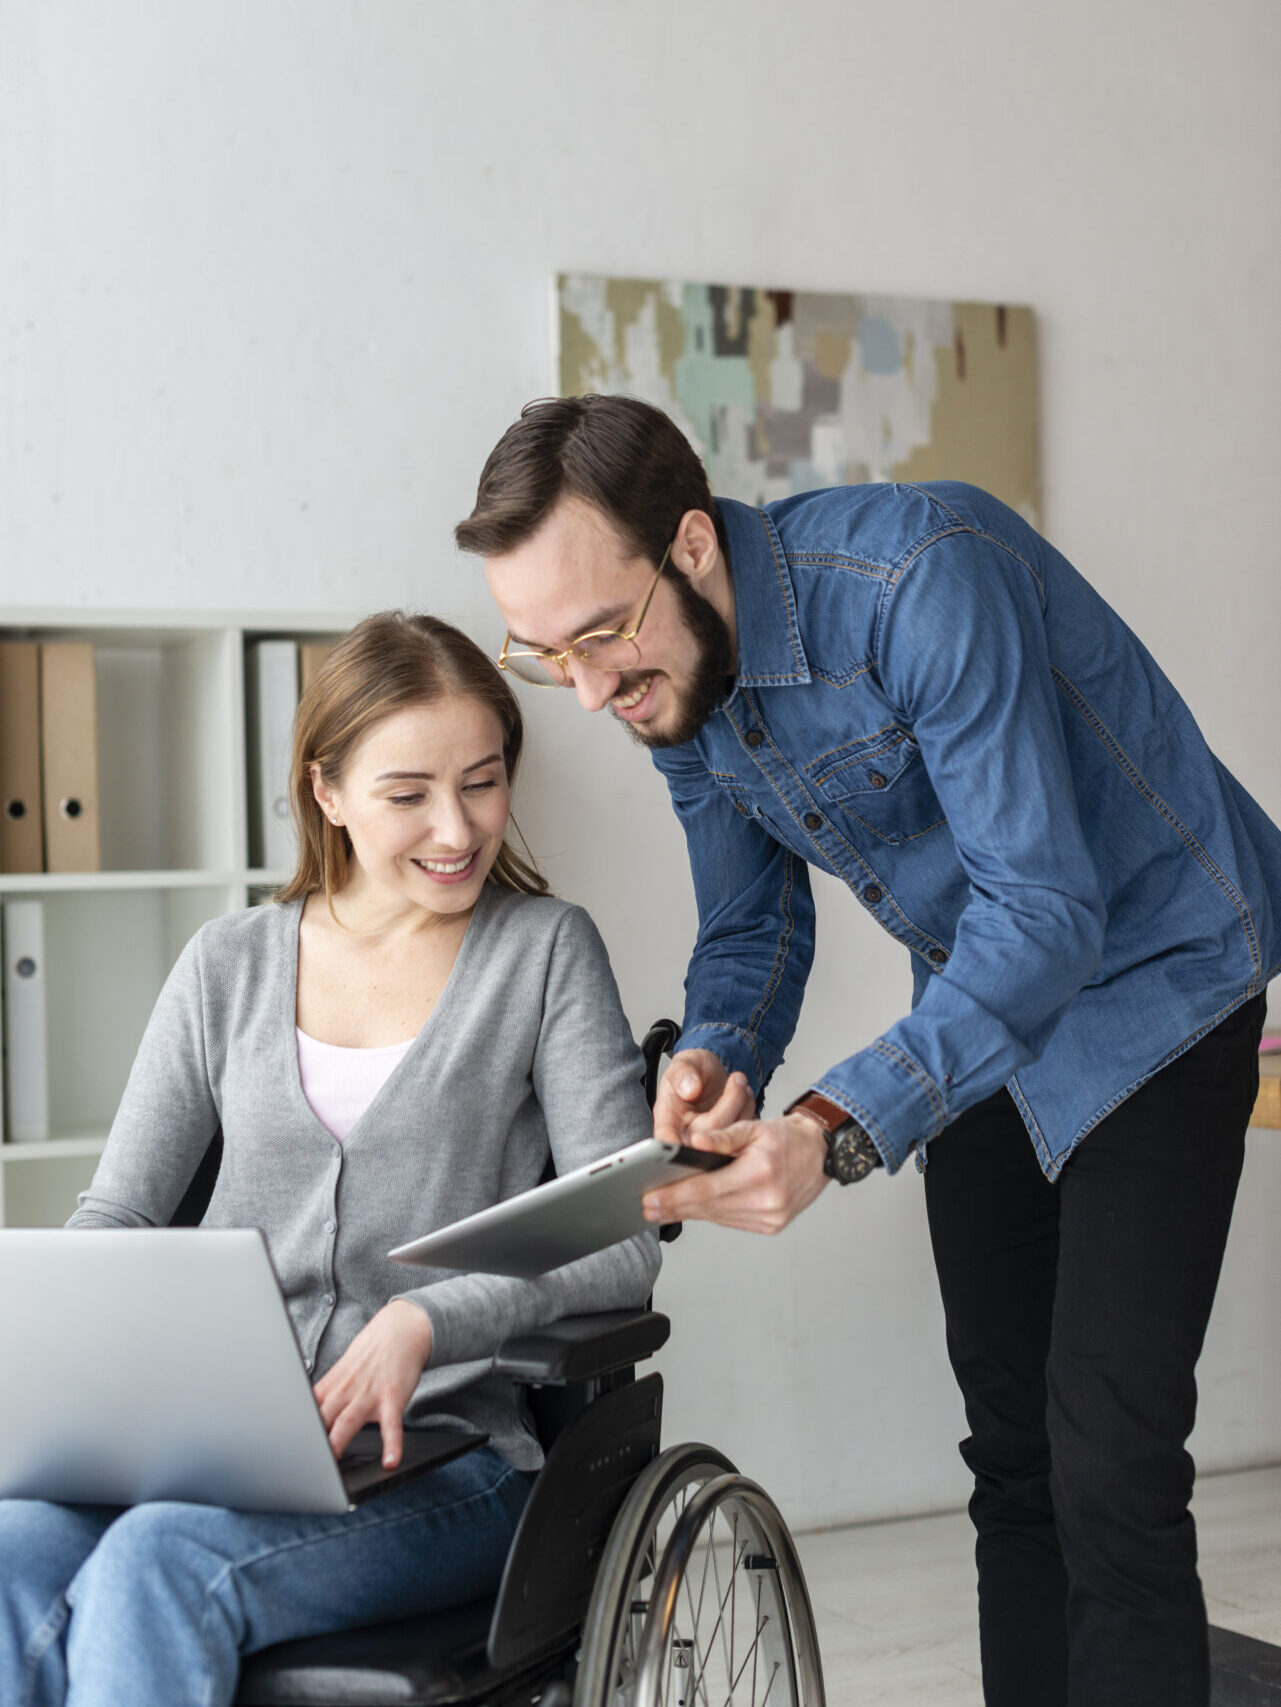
x=702, y=1590
x=730, y=1596
x=749, y=1655
x=733, y=1604
x=756, y=1646
x=719, y=1625
x=696, y=1675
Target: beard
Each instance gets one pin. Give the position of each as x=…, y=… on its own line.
x=710, y=679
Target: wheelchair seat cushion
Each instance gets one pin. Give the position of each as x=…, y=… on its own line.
x=420, y=1662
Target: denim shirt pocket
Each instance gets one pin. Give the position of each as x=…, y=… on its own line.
x=880, y=781
x=744, y=801
x=735, y=790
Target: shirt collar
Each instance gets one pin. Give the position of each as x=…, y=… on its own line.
x=770, y=653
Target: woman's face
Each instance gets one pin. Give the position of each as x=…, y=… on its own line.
x=425, y=801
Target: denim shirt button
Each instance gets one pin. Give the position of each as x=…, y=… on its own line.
x=877, y=780
x=872, y=894
x=753, y=737
x=938, y=955
x=812, y=821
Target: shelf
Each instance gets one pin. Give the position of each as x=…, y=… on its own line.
x=174, y=783
x=50, y=1148
x=126, y=626
x=72, y=882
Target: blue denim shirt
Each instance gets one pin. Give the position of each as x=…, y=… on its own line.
x=934, y=706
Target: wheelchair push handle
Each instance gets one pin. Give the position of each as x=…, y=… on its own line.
x=661, y=1038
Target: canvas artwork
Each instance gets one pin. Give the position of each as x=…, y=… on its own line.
x=783, y=391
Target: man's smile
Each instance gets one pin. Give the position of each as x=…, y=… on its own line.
x=632, y=703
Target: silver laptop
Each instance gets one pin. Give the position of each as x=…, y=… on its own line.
x=162, y=1364
x=580, y=1212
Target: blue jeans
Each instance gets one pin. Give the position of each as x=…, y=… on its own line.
x=155, y=1604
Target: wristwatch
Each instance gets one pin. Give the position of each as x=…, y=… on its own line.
x=851, y=1154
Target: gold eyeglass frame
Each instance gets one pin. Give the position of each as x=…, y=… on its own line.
x=556, y=660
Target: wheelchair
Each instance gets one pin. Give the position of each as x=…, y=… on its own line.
x=638, y=1577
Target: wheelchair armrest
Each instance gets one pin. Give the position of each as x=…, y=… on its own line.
x=580, y=1348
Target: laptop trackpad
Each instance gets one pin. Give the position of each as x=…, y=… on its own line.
x=362, y=1468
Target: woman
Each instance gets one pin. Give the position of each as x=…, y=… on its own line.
x=400, y=1040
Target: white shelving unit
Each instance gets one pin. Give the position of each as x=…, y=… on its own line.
x=174, y=837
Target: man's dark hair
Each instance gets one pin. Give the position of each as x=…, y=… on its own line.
x=624, y=457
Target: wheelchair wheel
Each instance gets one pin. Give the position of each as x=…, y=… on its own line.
x=620, y=1598
x=729, y=1617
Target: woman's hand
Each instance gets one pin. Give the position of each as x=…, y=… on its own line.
x=375, y=1377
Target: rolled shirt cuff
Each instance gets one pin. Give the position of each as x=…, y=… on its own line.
x=891, y=1096
x=732, y=1045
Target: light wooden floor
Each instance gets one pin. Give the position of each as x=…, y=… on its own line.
x=895, y=1601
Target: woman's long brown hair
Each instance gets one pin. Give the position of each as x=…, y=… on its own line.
x=387, y=662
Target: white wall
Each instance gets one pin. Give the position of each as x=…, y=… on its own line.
x=274, y=277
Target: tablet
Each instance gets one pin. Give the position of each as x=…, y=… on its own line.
x=569, y=1217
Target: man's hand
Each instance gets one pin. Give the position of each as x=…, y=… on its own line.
x=695, y=1097
x=777, y=1172
x=375, y=1377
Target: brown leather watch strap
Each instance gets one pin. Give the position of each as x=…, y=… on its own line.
x=830, y=1116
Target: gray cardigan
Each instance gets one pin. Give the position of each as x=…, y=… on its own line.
x=527, y=1051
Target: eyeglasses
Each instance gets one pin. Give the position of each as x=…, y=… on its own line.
x=600, y=649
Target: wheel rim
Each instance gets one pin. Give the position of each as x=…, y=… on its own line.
x=729, y=1622
x=620, y=1599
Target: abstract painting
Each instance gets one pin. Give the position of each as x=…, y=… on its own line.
x=782, y=391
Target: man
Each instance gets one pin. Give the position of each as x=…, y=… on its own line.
x=908, y=687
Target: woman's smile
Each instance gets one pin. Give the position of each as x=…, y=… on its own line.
x=456, y=870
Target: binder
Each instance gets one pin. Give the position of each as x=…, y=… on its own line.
x=69, y=745
x=26, y=1046
x=311, y=655
x=21, y=800
x=271, y=690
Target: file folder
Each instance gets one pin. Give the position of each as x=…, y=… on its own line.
x=271, y=689
x=69, y=743
x=21, y=800
x=311, y=655
x=26, y=1048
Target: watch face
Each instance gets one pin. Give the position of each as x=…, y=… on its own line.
x=853, y=1156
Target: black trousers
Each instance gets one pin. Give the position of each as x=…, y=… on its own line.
x=1075, y=1316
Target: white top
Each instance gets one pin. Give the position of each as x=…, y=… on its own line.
x=340, y=1083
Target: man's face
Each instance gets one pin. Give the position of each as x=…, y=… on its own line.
x=575, y=576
